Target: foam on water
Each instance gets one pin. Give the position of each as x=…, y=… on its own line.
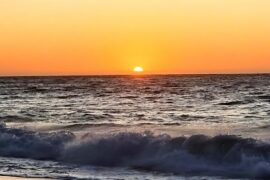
x=224, y=155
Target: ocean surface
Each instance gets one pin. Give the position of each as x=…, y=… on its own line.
x=136, y=127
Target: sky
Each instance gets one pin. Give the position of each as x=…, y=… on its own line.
x=85, y=37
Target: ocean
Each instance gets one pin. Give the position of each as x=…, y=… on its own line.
x=136, y=127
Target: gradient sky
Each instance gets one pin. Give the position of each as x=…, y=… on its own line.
x=53, y=37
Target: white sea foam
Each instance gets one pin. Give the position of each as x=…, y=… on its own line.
x=224, y=155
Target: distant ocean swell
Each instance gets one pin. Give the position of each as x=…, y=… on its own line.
x=224, y=155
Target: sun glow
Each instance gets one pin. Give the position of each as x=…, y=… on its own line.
x=106, y=37
x=138, y=69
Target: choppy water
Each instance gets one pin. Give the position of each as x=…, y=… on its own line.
x=136, y=127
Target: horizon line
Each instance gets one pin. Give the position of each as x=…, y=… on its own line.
x=146, y=74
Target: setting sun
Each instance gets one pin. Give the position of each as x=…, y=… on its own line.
x=138, y=69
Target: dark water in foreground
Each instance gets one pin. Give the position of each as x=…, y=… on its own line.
x=143, y=127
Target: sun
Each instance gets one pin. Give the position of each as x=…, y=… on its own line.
x=138, y=69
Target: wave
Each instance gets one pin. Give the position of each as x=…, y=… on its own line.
x=231, y=103
x=265, y=98
x=11, y=118
x=21, y=143
x=223, y=155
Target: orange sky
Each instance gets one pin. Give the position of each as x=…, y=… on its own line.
x=53, y=37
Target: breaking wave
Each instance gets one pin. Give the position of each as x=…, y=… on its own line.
x=21, y=143
x=223, y=155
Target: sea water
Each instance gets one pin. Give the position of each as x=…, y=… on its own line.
x=136, y=127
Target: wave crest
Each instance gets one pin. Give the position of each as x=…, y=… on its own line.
x=27, y=144
x=223, y=155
